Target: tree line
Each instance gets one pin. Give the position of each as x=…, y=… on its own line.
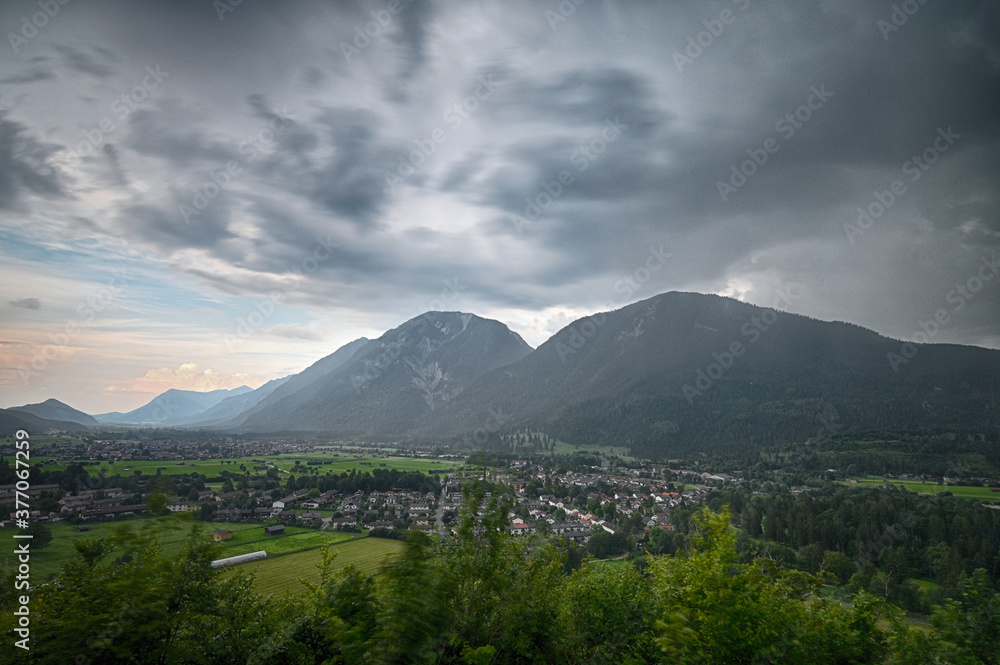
x=482, y=597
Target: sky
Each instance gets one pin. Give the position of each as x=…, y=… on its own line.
x=201, y=195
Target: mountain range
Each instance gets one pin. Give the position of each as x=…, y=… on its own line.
x=676, y=373
x=171, y=407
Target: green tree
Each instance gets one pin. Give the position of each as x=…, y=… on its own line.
x=722, y=611
x=131, y=607
x=609, y=613
x=969, y=628
x=41, y=535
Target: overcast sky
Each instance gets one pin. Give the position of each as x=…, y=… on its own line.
x=201, y=195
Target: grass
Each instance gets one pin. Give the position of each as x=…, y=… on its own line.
x=294, y=540
x=173, y=534
x=924, y=487
x=337, y=463
x=926, y=585
x=41, y=442
x=280, y=575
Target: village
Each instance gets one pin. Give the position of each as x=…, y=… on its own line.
x=541, y=498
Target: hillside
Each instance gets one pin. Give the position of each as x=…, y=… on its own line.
x=53, y=409
x=682, y=372
x=391, y=383
x=12, y=421
x=296, y=390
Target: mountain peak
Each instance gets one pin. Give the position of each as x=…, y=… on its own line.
x=53, y=409
x=390, y=384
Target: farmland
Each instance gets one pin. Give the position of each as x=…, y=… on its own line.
x=930, y=487
x=172, y=533
x=281, y=574
x=285, y=463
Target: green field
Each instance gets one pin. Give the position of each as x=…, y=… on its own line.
x=281, y=574
x=931, y=487
x=173, y=533
x=41, y=442
x=295, y=539
x=285, y=463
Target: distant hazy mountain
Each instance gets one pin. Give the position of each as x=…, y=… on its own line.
x=231, y=406
x=171, y=407
x=53, y=409
x=11, y=421
x=390, y=384
x=683, y=372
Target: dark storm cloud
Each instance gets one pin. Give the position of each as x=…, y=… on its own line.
x=338, y=161
x=412, y=34
x=26, y=303
x=163, y=225
x=24, y=164
x=117, y=175
x=93, y=63
x=584, y=97
x=29, y=76
x=322, y=173
x=174, y=133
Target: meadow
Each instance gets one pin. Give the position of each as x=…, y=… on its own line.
x=930, y=487
x=172, y=533
x=332, y=462
x=280, y=575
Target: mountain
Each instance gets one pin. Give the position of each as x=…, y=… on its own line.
x=170, y=407
x=231, y=406
x=297, y=385
x=11, y=421
x=390, y=384
x=686, y=372
x=53, y=409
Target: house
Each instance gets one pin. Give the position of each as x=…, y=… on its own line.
x=521, y=529
x=284, y=502
x=222, y=534
x=232, y=514
x=274, y=530
x=338, y=522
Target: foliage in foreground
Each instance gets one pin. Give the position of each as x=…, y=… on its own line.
x=481, y=598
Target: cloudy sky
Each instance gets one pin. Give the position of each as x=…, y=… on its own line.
x=203, y=194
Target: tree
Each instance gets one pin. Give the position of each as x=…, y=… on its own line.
x=609, y=614
x=41, y=535
x=970, y=627
x=129, y=606
x=604, y=545
x=721, y=611
x=840, y=565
